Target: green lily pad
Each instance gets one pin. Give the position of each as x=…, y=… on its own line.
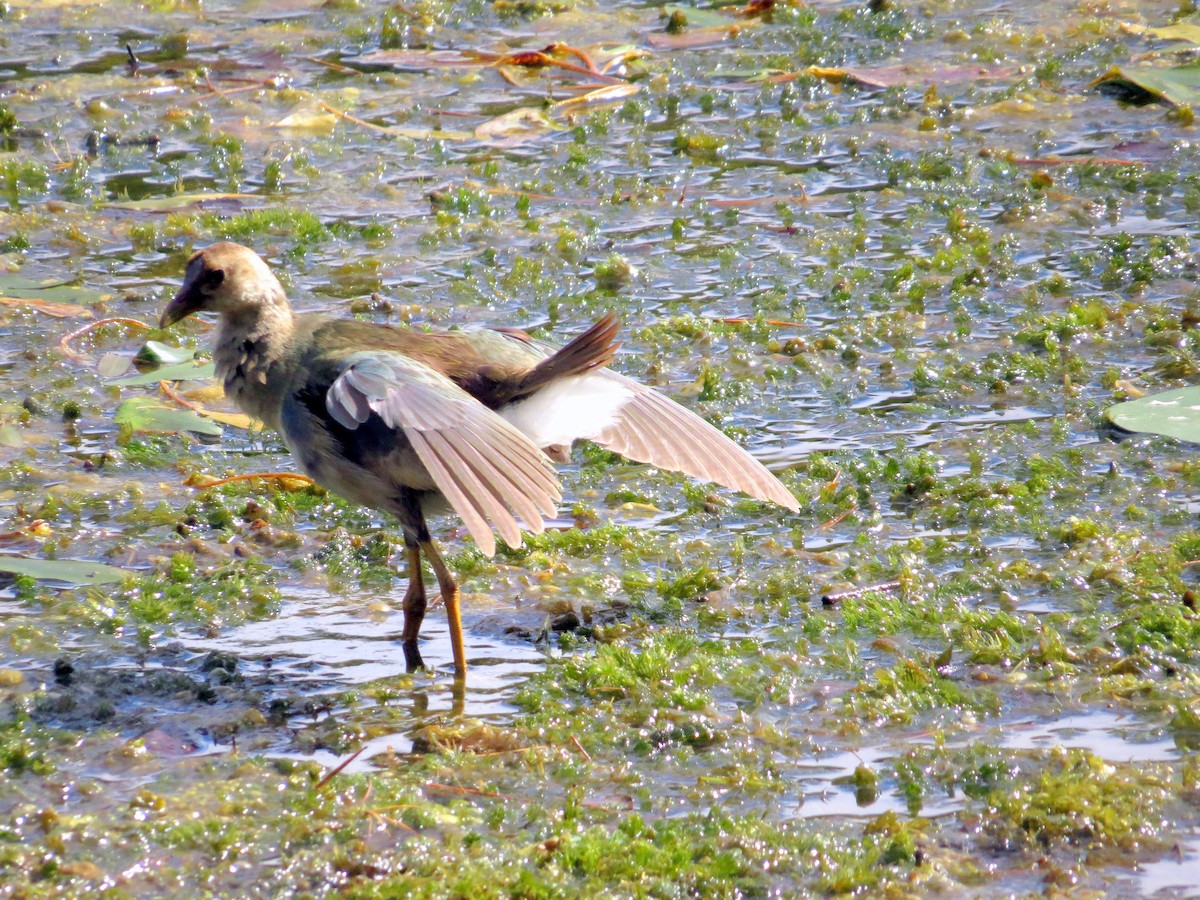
x=697, y=18
x=1177, y=85
x=151, y=414
x=163, y=354
x=11, y=436
x=177, y=201
x=50, y=290
x=70, y=571
x=1187, y=31
x=1174, y=414
x=189, y=370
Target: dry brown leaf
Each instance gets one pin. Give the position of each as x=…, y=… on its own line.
x=693, y=38
x=606, y=94
x=49, y=307
x=515, y=127
x=891, y=76
x=421, y=59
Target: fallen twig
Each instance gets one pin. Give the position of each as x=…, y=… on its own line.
x=745, y=320
x=277, y=476
x=345, y=762
x=475, y=792
x=884, y=587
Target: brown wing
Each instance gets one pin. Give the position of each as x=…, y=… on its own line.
x=488, y=471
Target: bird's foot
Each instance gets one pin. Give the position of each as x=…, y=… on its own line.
x=412, y=657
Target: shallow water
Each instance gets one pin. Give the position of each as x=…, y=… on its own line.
x=914, y=303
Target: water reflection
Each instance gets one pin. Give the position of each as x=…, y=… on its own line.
x=319, y=644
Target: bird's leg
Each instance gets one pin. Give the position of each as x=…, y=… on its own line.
x=414, y=606
x=449, y=588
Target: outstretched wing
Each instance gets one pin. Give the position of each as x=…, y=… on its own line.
x=488, y=471
x=641, y=424
x=647, y=427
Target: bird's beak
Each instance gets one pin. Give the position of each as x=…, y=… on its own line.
x=187, y=301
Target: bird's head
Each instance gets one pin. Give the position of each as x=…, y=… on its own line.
x=225, y=278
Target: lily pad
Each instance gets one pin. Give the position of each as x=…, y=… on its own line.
x=690, y=16
x=1186, y=31
x=163, y=354
x=419, y=60
x=150, y=414
x=693, y=38
x=51, y=292
x=177, y=201
x=110, y=365
x=189, y=370
x=69, y=571
x=516, y=127
x=307, y=116
x=11, y=436
x=1177, y=85
x=608, y=94
x=1174, y=414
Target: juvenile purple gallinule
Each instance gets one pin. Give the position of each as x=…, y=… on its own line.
x=402, y=420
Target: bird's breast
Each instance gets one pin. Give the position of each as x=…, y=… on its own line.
x=250, y=379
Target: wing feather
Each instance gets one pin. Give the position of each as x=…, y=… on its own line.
x=533, y=480
x=653, y=429
x=489, y=502
x=514, y=494
x=488, y=471
x=632, y=419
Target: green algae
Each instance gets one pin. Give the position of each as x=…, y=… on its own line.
x=914, y=302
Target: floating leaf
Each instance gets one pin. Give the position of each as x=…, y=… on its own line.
x=207, y=392
x=606, y=94
x=516, y=127
x=237, y=420
x=307, y=116
x=49, y=307
x=232, y=419
x=1178, y=85
x=887, y=76
x=11, y=436
x=69, y=571
x=153, y=415
x=176, y=201
x=1188, y=32
x=608, y=57
x=52, y=296
x=690, y=17
x=419, y=60
x=162, y=354
x=190, y=370
x=113, y=364
x=416, y=134
x=693, y=38
x=1174, y=414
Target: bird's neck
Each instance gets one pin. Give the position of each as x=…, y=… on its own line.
x=251, y=352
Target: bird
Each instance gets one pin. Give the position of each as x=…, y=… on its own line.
x=408, y=422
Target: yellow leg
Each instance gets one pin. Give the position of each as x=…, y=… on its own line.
x=449, y=588
x=414, y=607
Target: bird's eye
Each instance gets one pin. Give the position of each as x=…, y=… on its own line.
x=212, y=278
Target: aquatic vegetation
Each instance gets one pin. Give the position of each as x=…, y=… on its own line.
x=905, y=256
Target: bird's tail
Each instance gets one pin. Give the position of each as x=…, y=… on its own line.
x=594, y=349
